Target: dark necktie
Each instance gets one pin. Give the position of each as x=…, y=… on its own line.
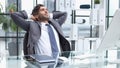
x=52, y=41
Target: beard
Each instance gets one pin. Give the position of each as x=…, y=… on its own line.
x=43, y=18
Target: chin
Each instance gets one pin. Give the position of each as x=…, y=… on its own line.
x=47, y=17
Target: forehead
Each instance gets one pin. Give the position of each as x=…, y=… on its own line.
x=43, y=7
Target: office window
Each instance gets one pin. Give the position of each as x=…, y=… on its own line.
x=27, y=7
x=113, y=5
x=2, y=5
x=12, y=36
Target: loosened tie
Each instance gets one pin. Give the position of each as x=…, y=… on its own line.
x=52, y=41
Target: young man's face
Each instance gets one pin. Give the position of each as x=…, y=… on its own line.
x=43, y=14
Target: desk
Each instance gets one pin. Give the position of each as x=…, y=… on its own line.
x=92, y=62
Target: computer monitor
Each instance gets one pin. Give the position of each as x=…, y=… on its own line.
x=111, y=38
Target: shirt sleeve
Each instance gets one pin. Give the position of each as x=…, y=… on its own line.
x=51, y=15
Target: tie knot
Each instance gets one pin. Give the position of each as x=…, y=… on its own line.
x=47, y=24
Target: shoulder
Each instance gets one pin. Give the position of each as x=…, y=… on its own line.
x=34, y=25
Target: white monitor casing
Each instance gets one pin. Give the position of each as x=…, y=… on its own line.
x=111, y=37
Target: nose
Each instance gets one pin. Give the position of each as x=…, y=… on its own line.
x=46, y=11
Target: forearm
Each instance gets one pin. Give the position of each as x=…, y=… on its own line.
x=19, y=19
x=58, y=14
x=60, y=17
x=21, y=14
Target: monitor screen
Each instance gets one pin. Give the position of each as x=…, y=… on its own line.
x=112, y=35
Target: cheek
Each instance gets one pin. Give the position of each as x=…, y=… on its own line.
x=40, y=16
x=41, y=13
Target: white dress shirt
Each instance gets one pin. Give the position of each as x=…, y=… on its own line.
x=43, y=46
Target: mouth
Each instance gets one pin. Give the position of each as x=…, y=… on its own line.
x=47, y=15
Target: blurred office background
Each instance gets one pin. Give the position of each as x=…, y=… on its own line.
x=84, y=27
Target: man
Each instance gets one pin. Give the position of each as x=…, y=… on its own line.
x=36, y=39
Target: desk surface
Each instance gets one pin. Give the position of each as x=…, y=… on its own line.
x=75, y=60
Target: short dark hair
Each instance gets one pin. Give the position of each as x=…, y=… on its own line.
x=35, y=11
